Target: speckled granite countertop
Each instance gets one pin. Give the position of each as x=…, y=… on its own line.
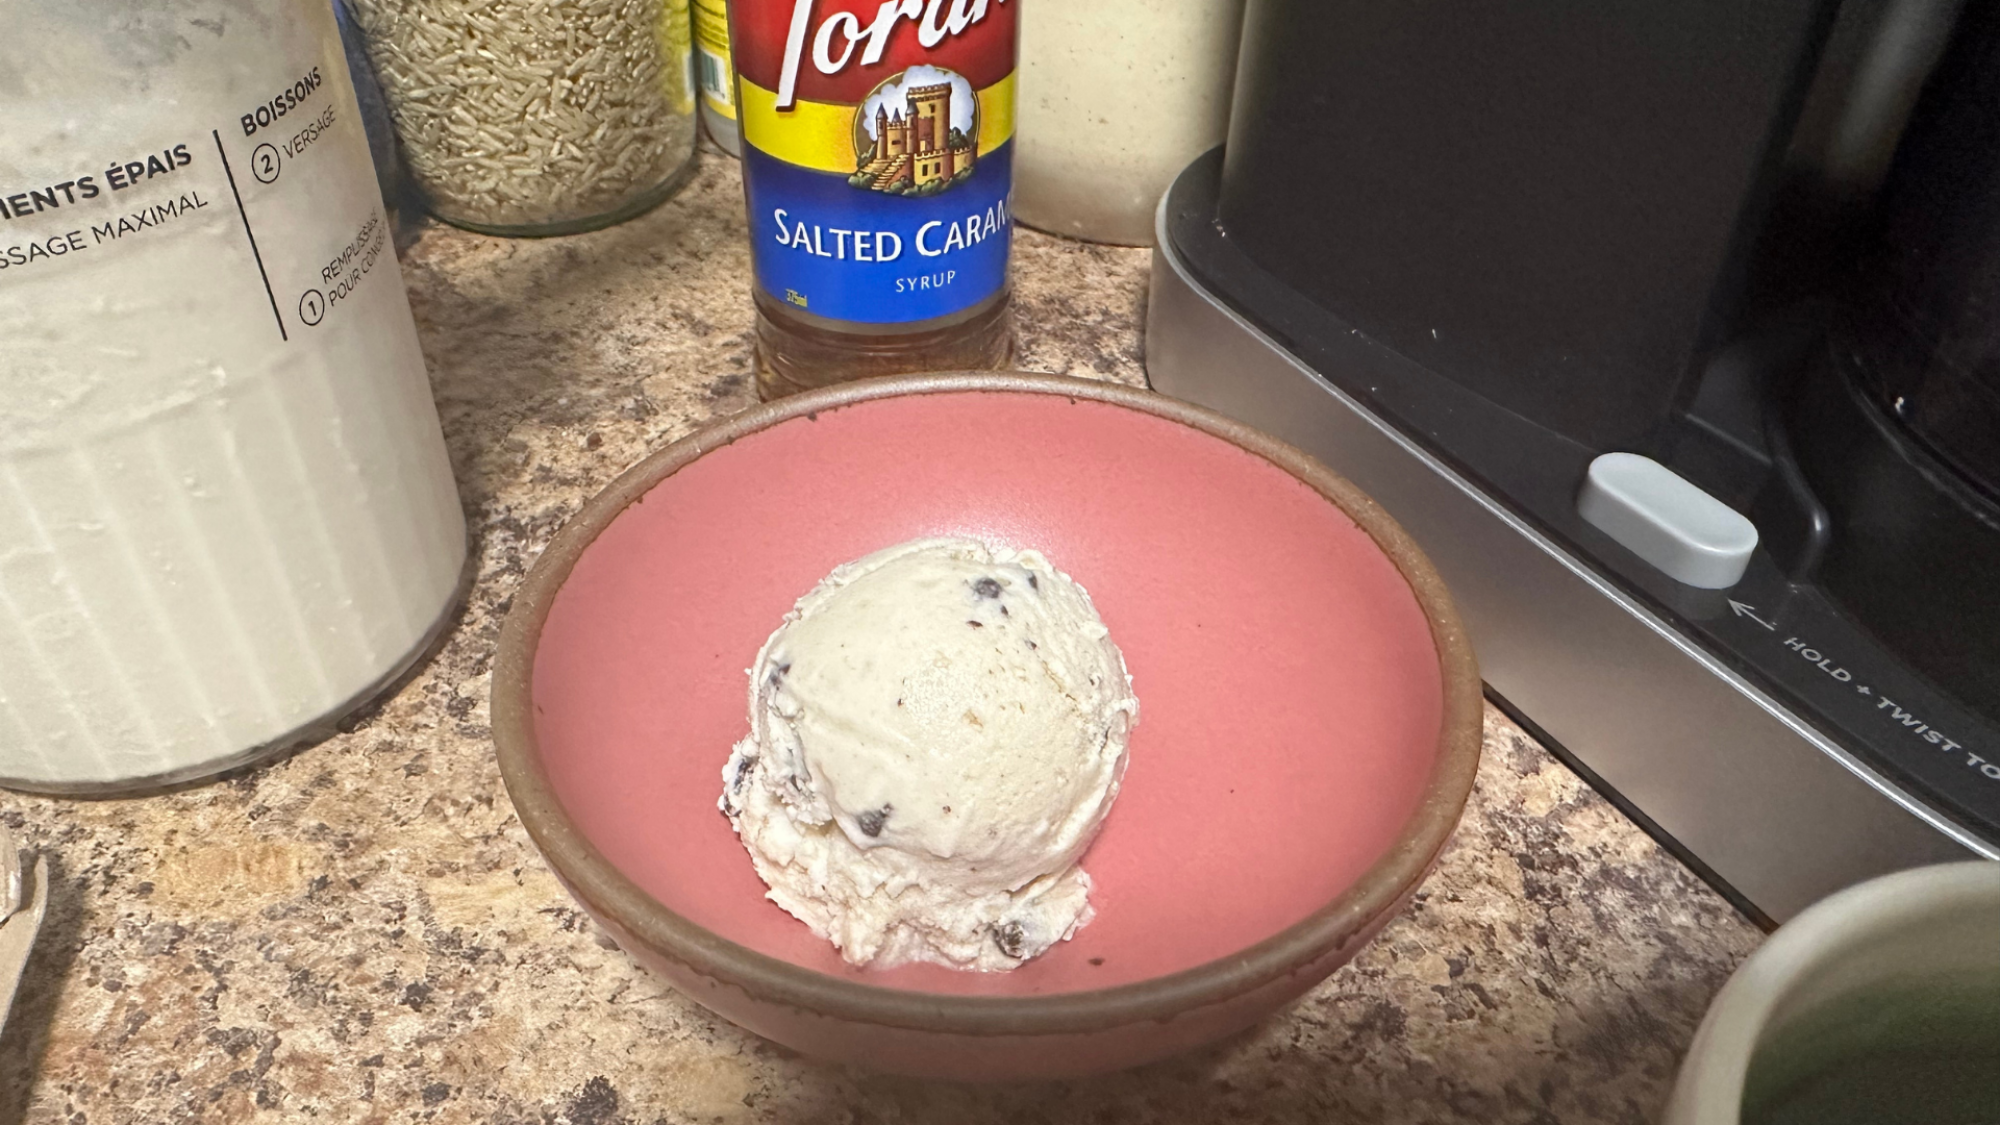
x=361, y=932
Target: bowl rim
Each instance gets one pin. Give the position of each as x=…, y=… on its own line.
x=595, y=881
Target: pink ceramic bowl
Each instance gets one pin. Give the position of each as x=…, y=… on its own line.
x=1309, y=710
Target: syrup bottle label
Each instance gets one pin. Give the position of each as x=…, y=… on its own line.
x=877, y=152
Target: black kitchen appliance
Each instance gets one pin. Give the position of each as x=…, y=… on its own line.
x=1461, y=250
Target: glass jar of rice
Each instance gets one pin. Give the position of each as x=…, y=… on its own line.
x=535, y=117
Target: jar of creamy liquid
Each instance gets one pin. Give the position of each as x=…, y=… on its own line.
x=1117, y=96
x=226, y=514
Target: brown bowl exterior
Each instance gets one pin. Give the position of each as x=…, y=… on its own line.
x=970, y=1057
x=984, y=1038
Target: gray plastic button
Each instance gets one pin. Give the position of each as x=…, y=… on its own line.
x=1653, y=511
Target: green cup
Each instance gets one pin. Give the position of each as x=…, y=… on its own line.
x=1880, y=1004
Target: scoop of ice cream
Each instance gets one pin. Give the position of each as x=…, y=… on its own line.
x=936, y=732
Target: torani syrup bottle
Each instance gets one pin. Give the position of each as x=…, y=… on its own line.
x=878, y=168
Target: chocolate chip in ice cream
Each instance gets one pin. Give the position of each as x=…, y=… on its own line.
x=1012, y=938
x=870, y=821
x=732, y=793
x=987, y=588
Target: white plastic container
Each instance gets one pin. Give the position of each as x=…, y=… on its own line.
x=1117, y=96
x=226, y=512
